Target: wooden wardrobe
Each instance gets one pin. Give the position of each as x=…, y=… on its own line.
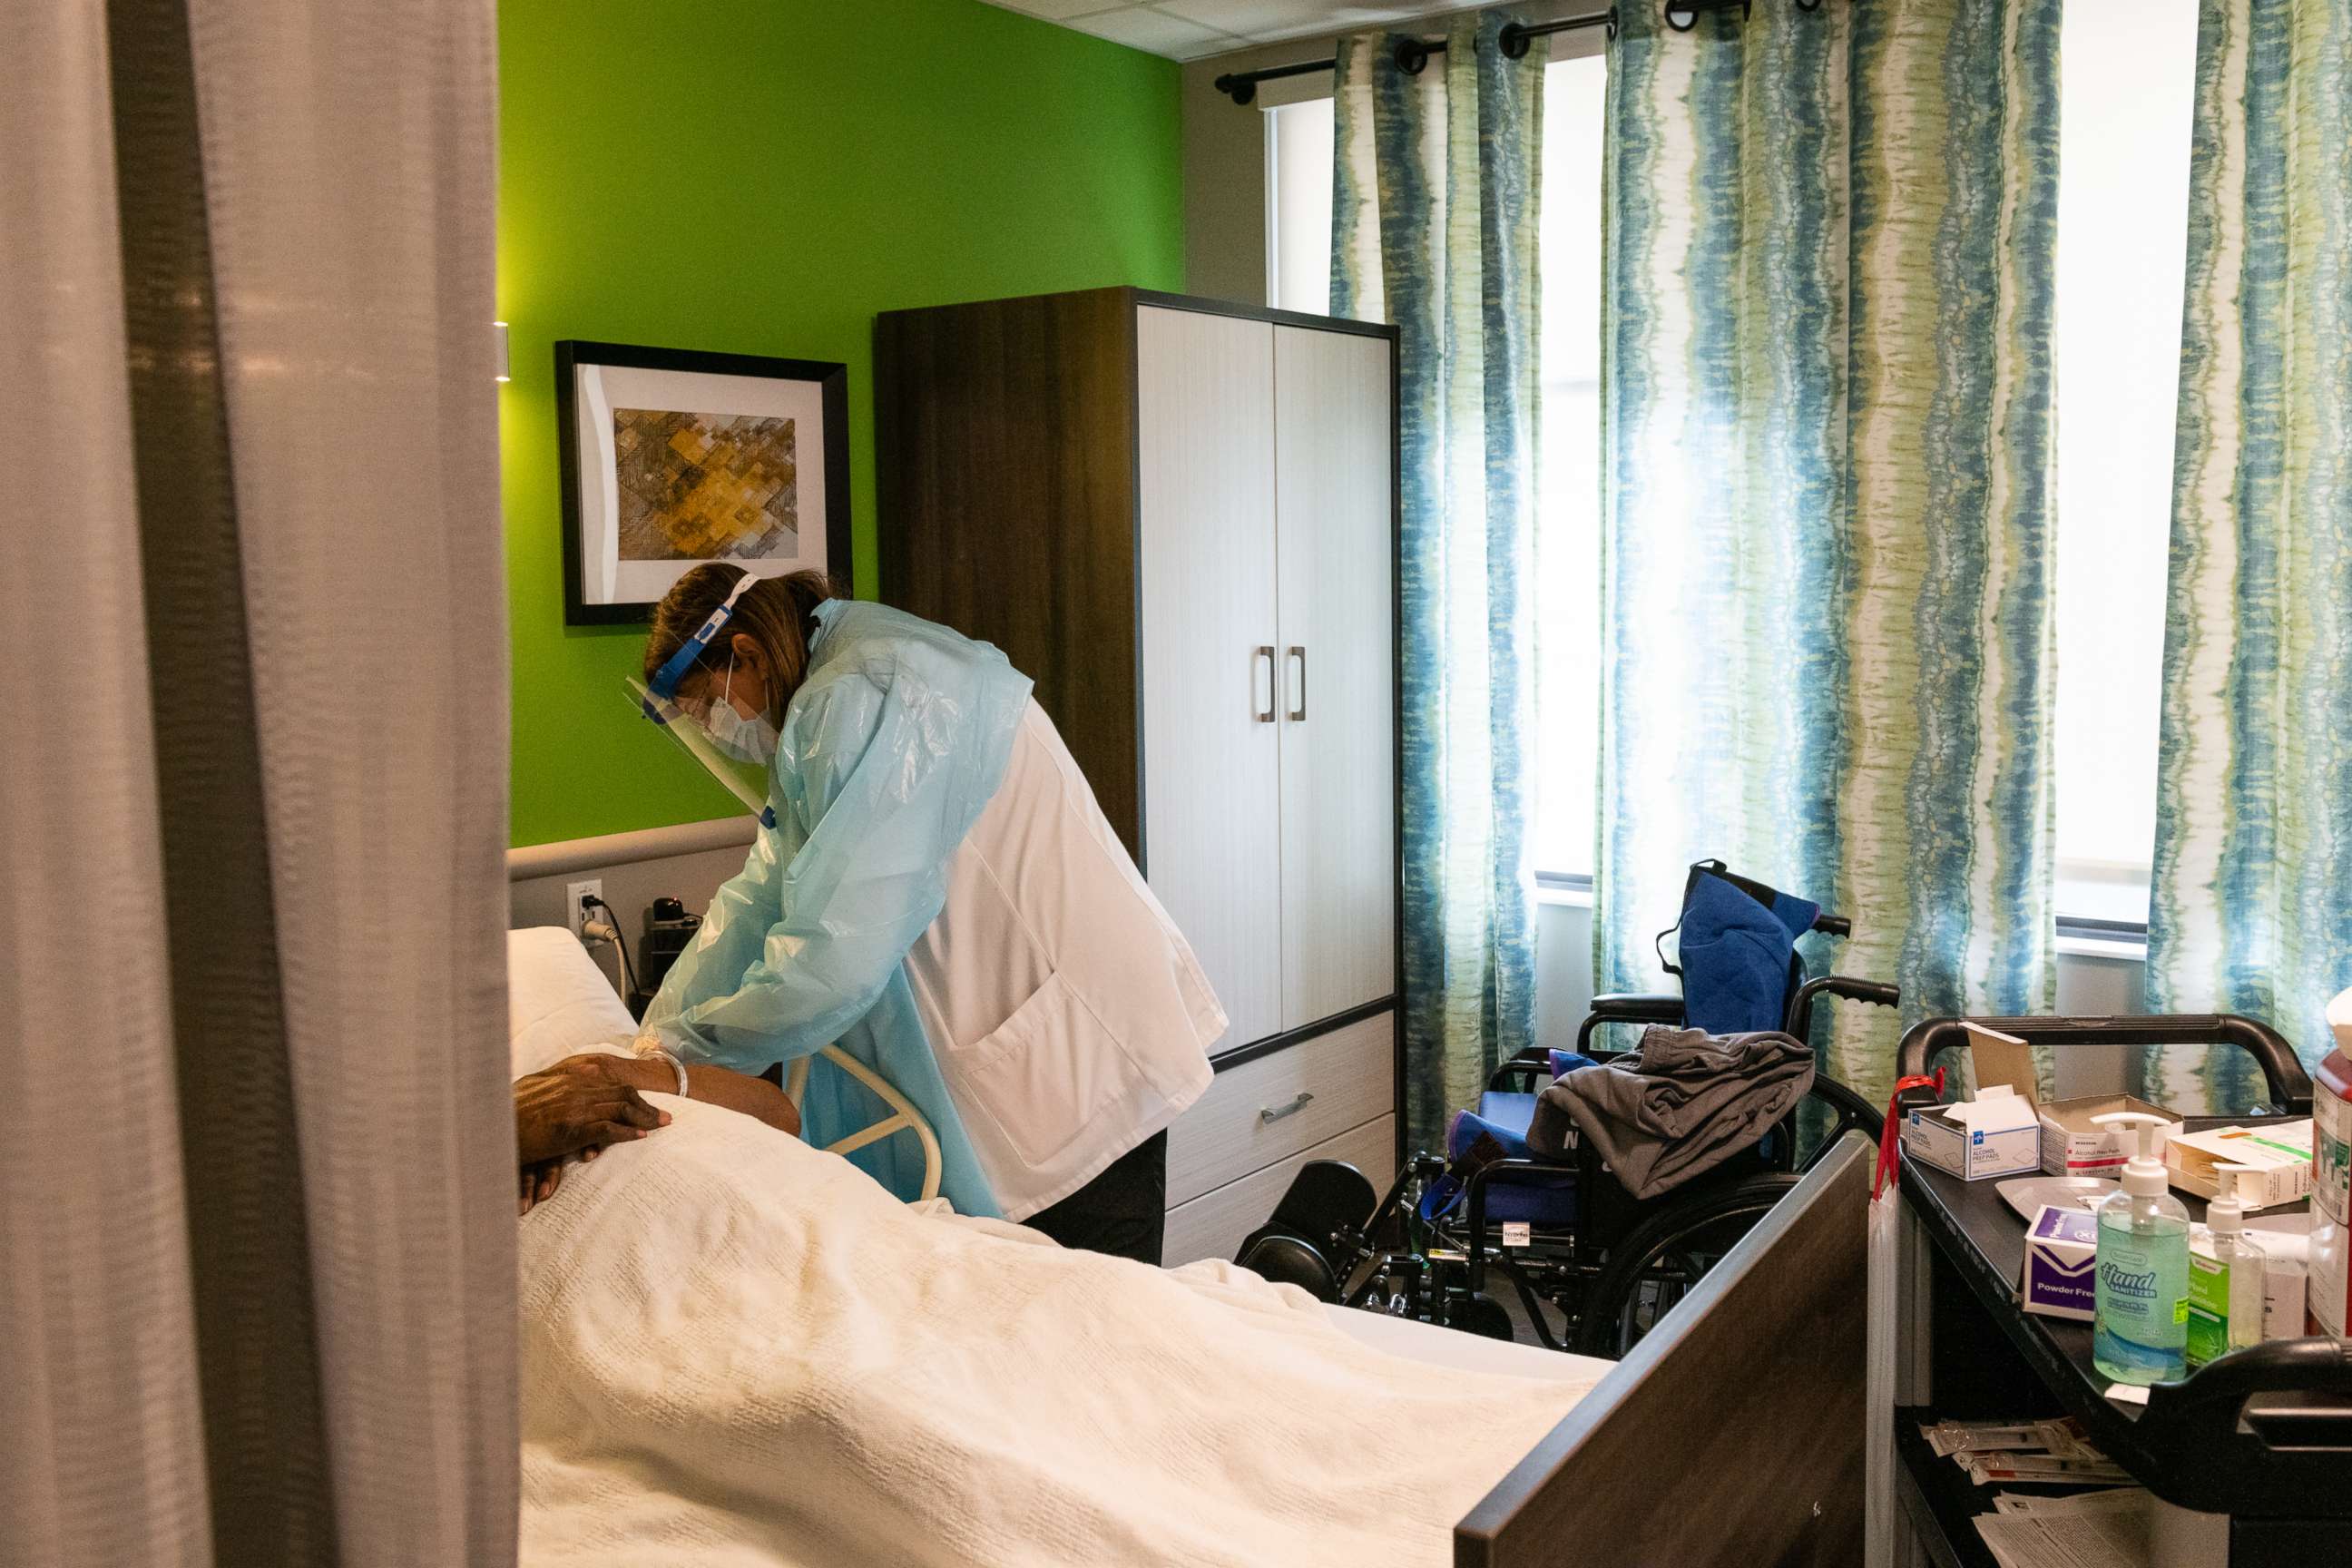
x=1178, y=517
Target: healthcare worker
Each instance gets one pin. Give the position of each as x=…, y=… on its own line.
x=934, y=888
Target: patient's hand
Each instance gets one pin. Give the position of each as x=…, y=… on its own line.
x=754, y=1097
x=560, y=1113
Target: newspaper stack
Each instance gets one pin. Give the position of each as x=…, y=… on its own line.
x=2092, y=1529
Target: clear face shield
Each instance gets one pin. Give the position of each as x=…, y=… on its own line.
x=686, y=719
x=683, y=723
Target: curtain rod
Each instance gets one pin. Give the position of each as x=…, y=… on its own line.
x=1412, y=54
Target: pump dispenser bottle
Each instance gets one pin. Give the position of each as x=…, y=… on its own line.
x=2141, y=1331
x=2225, y=1290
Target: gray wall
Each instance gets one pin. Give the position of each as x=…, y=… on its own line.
x=684, y=863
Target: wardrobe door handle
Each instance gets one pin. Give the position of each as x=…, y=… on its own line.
x=1298, y=714
x=1267, y=1114
x=1267, y=715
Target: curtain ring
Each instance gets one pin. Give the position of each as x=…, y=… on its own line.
x=1411, y=55
x=1809, y=5
x=1682, y=15
x=1513, y=41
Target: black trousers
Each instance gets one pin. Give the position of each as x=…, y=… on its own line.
x=1121, y=1212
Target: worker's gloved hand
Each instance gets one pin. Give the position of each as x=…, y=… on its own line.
x=560, y=1113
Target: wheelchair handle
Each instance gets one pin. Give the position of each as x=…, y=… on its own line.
x=1801, y=1011
x=2290, y=1085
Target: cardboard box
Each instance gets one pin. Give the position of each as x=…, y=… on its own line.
x=2278, y=1155
x=2062, y=1254
x=2072, y=1144
x=1995, y=1134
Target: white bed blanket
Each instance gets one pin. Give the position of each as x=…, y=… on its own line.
x=738, y=1350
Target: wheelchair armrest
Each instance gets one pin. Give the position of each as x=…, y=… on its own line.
x=1629, y=1007
x=1521, y=1075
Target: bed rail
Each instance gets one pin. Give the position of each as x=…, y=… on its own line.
x=903, y=1117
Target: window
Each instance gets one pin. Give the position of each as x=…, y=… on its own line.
x=1568, y=548
x=1298, y=149
x=2128, y=85
x=1568, y=529
x=2127, y=93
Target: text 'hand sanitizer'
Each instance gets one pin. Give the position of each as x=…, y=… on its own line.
x=2141, y=1331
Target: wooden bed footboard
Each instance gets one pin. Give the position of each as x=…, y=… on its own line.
x=1733, y=1432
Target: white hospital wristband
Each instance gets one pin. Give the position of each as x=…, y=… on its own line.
x=675, y=1063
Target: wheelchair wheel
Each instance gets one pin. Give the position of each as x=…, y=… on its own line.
x=1661, y=1259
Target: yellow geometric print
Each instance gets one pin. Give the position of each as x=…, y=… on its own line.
x=696, y=486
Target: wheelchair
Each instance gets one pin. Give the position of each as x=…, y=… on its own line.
x=1563, y=1235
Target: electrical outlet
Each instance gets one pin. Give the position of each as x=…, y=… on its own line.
x=574, y=915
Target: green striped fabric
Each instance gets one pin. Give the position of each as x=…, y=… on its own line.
x=1435, y=186
x=2253, y=899
x=1827, y=531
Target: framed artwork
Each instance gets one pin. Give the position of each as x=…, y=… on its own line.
x=672, y=457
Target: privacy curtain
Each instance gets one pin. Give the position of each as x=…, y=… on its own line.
x=1434, y=196
x=256, y=1190
x=2252, y=899
x=1827, y=501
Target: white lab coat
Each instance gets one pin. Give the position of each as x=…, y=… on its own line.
x=1069, y=1017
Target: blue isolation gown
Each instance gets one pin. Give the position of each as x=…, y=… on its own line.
x=889, y=753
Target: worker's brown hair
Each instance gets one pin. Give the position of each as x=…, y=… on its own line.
x=779, y=613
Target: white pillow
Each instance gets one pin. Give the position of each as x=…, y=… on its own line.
x=559, y=1003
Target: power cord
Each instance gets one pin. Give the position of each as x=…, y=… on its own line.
x=622, y=942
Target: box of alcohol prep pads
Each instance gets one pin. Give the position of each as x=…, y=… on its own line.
x=1995, y=1134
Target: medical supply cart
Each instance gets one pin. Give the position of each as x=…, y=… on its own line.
x=2262, y=1436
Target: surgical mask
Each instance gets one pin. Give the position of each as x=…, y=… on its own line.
x=752, y=740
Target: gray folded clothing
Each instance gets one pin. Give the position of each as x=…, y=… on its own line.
x=1679, y=1105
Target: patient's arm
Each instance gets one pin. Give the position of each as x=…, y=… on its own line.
x=754, y=1097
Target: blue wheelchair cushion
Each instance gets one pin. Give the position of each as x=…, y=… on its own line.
x=1566, y=1062
x=1534, y=1200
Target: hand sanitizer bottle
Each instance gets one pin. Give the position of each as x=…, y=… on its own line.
x=2140, y=1334
x=2225, y=1279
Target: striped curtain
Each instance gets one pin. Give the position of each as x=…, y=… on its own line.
x=1827, y=506
x=2253, y=899
x=1434, y=190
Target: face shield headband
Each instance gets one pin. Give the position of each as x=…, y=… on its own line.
x=661, y=696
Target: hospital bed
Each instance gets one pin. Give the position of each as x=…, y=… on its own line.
x=560, y=1003
x=1752, y=1385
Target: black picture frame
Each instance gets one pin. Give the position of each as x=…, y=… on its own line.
x=830, y=377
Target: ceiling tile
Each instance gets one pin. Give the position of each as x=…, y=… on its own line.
x=1259, y=18
x=1158, y=32
x=1055, y=10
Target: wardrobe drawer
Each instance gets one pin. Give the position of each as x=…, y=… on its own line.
x=1263, y=1110
x=1214, y=1225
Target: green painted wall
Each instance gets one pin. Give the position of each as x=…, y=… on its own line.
x=762, y=176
